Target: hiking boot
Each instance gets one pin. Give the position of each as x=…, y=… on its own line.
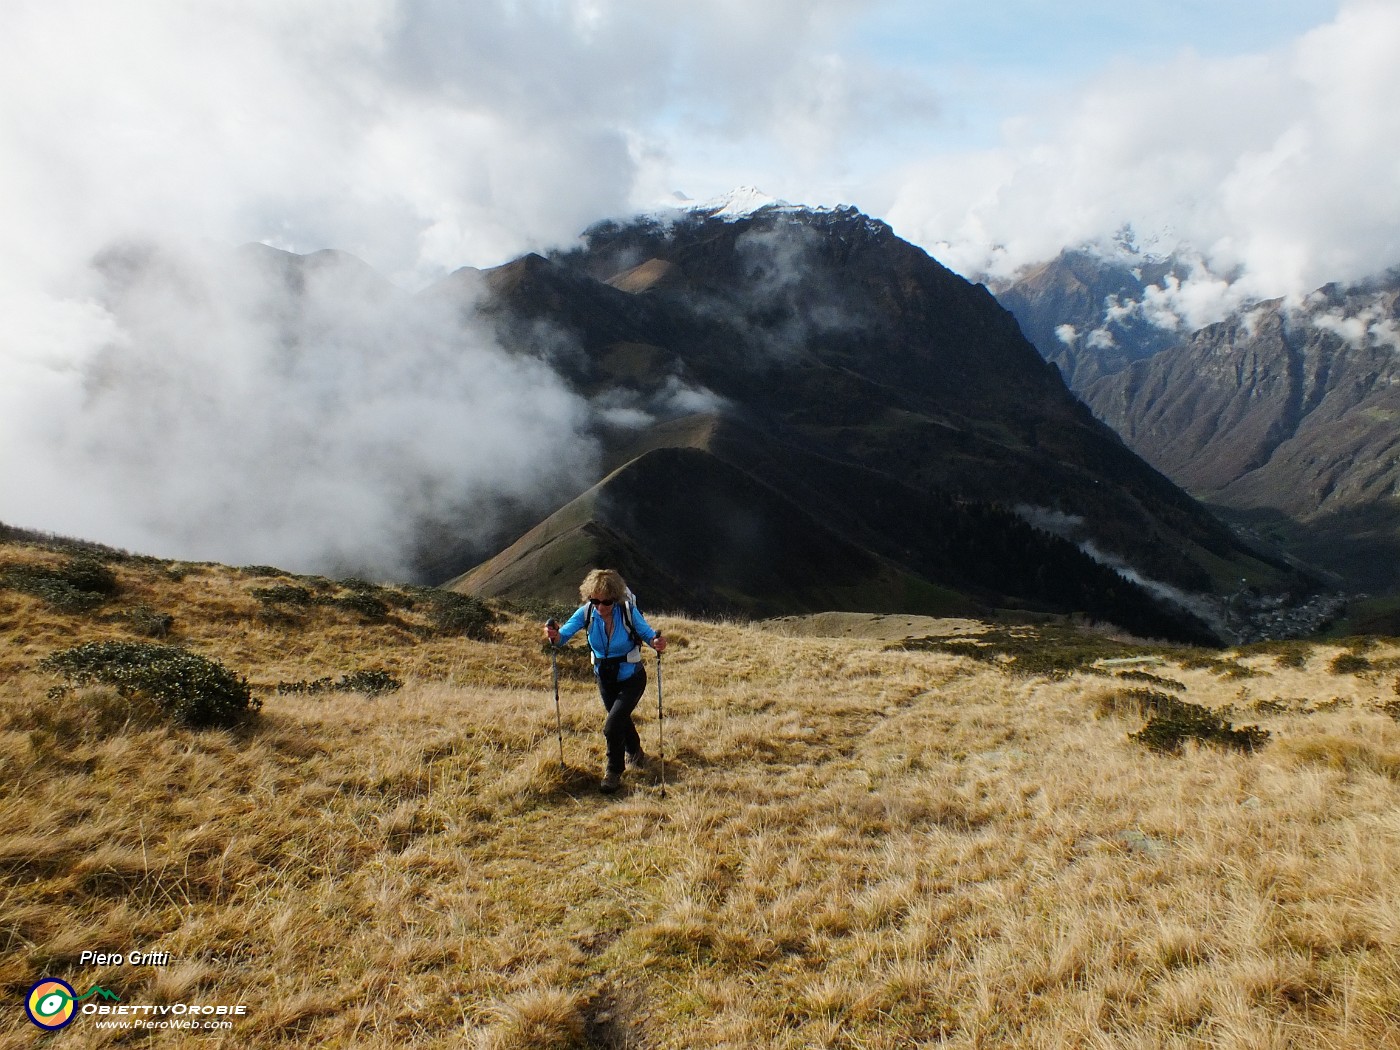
x=637, y=759
x=611, y=782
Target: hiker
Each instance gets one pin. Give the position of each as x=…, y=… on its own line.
x=615, y=629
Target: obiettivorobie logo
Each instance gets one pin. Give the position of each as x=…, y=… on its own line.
x=52, y=1004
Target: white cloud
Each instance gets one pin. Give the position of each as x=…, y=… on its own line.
x=1386, y=333
x=1369, y=324
x=220, y=413
x=1350, y=330
x=1281, y=166
x=1101, y=339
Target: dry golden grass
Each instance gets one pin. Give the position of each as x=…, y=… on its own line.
x=859, y=847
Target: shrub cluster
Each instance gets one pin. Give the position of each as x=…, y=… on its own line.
x=1171, y=722
x=1350, y=663
x=366, y=603
x=1222, y=667
x=447, y=612
x=1153, y=679
x=1048, y=651
x=80, y=585
x=362, y=599
x=372, y=682
x=150, y=622
x=463, y=614
x=283, y=594
x=190, y=689
x=1288, y=653
x=261, y=570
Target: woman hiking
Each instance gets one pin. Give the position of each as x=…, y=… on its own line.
x=615, y=630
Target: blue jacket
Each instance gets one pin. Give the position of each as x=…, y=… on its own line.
x=620, y=644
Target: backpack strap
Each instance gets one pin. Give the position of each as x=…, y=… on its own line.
x=627, y=622
x=632, y=634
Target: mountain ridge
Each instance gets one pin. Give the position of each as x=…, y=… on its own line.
x=852, y=354
x=1287, y=411
x=1280, y=414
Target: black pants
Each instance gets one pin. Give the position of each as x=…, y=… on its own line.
x=620, y=699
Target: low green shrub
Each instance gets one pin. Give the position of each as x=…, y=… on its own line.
x=152, y=623
x=1048, y=651
x=1350, y=663
x=282, y=594
x=1152, y=679
x=90, y=575
x=371, y=682
x=1289, y=653
x=261, y=570
x=80, y=585
x=540, y=609
x=1227, y=667
x=365, y=603
x=1134, y=703
x=1172, y=722
x=461, y=614
x=190, y=689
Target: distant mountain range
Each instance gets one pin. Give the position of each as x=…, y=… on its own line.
x=1284, y=414
x=821, y=416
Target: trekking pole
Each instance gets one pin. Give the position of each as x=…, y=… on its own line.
x=660, y=725
x=554, y=669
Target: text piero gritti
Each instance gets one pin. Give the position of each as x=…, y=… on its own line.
x=128, y=959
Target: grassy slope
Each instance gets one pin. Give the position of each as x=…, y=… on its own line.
x=859, y=846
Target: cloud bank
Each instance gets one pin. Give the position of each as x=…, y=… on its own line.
x=255, y=406
x=1280, y=168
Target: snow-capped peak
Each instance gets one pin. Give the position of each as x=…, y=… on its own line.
x=742, y=203
x=739, y=203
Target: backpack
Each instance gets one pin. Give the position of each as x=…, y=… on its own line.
x=628, y=603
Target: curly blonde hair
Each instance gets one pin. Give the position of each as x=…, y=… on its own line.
x=603, y=583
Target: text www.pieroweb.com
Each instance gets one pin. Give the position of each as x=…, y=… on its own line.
x=181, y=1017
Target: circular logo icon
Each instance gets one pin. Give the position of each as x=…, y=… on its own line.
x=50, y=1003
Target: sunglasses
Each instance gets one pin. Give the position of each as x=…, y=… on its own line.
x=601, y=601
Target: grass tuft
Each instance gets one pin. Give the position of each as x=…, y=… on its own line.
x=544, y=1019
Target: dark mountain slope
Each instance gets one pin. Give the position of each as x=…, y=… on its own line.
x=715, y=540
x=700, y=533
